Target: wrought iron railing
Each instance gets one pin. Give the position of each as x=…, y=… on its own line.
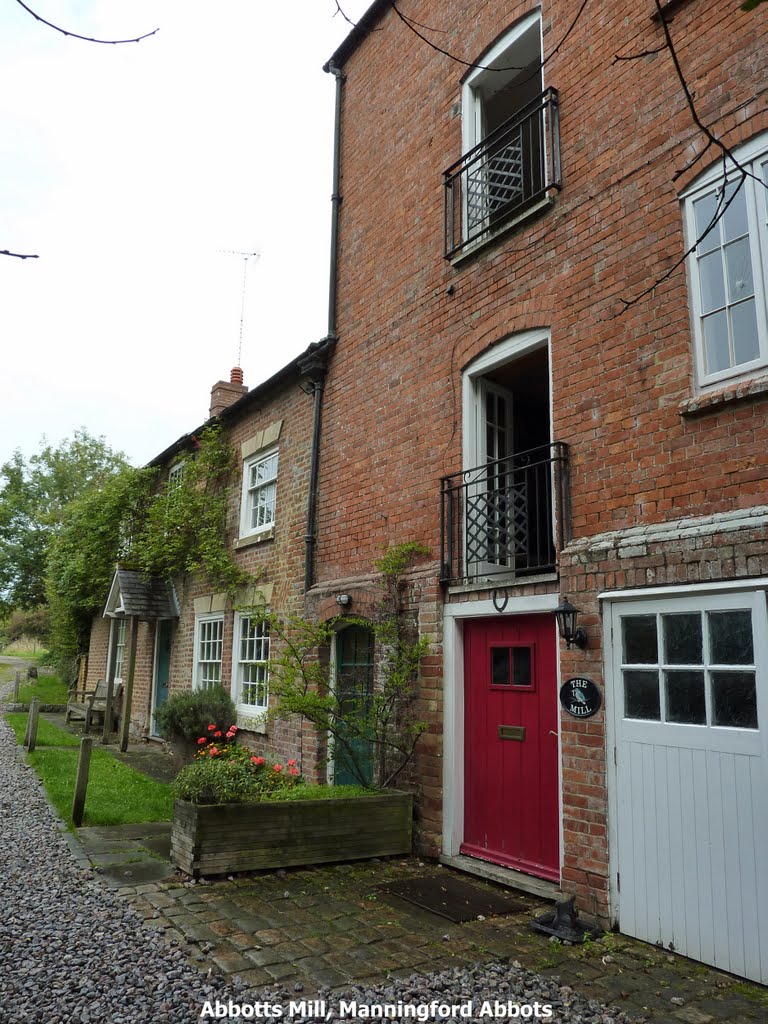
x=509, y=171
x=509, y=517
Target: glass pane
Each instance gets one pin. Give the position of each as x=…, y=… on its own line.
x=500, y=666
x=711, y=282
x=746, y=346
x=685, y=697
x=730, y=638
x=521, y=666
x=734, y=699
x=738, y=263
x=704, y=210
x=640, y=643
x=735, y=216
x=682, y=639
x=641, y=695
x=716, y=351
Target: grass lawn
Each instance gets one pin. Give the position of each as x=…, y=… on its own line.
x=48, y=735
x=117, y=795
x=49, y=690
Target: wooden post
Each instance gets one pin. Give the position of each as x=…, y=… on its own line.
x=16, y=684
x=107, y=730
x=81, y=782
x=125, y=725
x=31, y=740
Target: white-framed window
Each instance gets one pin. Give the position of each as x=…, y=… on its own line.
x=175, y=476
x=728, y=271
x=259, y=493
x=117, y=648
x=209, y=644
x=690, y=661
x=250, y=668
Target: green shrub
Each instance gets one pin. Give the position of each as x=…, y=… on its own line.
x=234, y=775
x=187, y=716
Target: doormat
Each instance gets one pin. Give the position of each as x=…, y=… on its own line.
x=453, y=898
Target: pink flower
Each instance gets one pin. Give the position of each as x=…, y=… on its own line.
x=218, y=734
x=258, y=760
x=230, y=735
x=201, y=741
x=233, y=728
x=214, y=751
x=291, y=762
x=211, y=728
x=277, y=767
x=293, y=771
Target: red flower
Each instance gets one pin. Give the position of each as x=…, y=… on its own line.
x=201, y=741
x=218, y=734
x=211, y=728
x=233, y=728
x=293, y=771
x=213, y=751
x=277, y=767
x=258, y=760
x=230, y=735
x=291, y=762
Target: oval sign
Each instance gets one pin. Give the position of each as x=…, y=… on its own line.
x=580, y=697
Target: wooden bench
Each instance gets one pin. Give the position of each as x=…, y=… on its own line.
x=85, y=704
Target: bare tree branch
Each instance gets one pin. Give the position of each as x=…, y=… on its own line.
x=87, y=39
x=20, y=255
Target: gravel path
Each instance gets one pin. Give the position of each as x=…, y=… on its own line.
x=72, y=952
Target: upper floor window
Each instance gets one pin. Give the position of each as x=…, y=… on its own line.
x=728, y=271
x=175, y=476
x=259, y=493
x=509, y=140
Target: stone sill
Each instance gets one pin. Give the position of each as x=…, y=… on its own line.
x=257, y=538
x=501, y=582
x=708, y=401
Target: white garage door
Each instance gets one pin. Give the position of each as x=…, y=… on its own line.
x=689, y=678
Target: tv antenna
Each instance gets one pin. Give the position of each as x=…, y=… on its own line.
x=245, y=257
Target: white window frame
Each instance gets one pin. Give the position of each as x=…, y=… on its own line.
x=117, y=645
x=247, y=501
x=754, y=157
x=203, y=634
x=175, y=476
x=239, y=664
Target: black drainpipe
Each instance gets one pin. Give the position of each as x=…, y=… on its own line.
x=315, y=363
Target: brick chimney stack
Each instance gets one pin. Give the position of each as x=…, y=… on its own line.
x=225, y=393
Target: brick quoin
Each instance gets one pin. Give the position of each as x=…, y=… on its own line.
x=645, y=449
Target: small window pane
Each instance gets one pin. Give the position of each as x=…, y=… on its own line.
x=730, y=638
x=735, y=216
x=746, y=345
x=738, y=264
x=641, y=695
x=705, y=210
x=734, y=699
x=716, y=349
x=682, y=639
x=500, y=666
x=686, y=702
x=640, y=642
x=521, y=666
x=711, y=282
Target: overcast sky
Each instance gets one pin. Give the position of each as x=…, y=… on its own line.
x=127, y=168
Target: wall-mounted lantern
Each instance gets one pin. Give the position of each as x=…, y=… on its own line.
x=566, y=616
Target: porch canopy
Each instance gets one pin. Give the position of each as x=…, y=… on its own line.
x=132, y=594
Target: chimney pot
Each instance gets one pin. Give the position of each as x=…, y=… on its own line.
x=236, y=375
x=226, y=392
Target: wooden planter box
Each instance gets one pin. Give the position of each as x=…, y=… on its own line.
x=217, y=839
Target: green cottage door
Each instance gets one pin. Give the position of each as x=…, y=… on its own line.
x=354, y=668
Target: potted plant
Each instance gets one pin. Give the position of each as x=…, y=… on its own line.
x=185, y=717
x=238, y=811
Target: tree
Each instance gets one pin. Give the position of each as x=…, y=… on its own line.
x=33, y=496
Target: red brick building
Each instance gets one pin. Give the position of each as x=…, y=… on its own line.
x=190, y=634
x=534, y=381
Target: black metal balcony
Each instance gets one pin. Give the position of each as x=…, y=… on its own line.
x=508, y=517
x=511, y=170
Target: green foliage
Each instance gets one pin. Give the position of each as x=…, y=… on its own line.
x=185, y=526
x=382, y=723
x=95, y=531
x=34, y=493
x=186, y=716
x=238, y=777
x=26, y=624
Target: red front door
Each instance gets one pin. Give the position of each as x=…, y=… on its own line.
x=511, y=812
